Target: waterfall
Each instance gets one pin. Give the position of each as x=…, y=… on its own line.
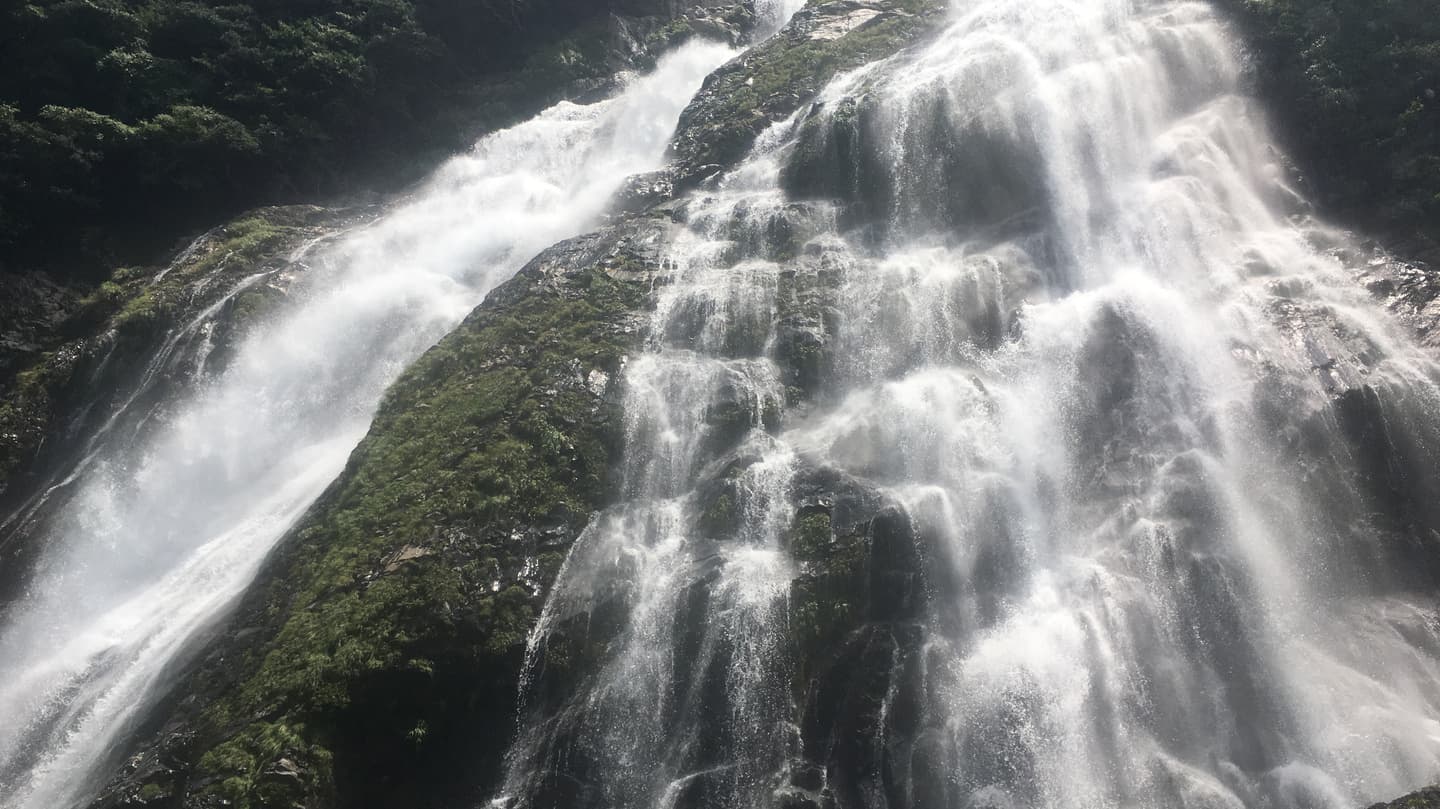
x=161, y=529
x=1007, y=436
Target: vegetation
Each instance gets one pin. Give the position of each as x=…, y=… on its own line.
x=395, y=622
x=1355, y=85
x=827, y=601
x=776, y=77
x=123, y=319
x=125, y=123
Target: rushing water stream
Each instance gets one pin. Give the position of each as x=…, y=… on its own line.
x=1006, y=437
x=1144, y=485
x=153, y=540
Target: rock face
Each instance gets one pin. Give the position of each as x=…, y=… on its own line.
x=375, y=664
x=1424, y=799
x=32, y=307
x=376, y=660
x=133, y=337
x=1354, y=87
x=776, y=78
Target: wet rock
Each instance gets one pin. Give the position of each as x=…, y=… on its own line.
x=775, y=78
x=464, y=567
x=106, y=352
x=644, y=191
x=1428, y=798
x=33, y=309
x=1410, y=289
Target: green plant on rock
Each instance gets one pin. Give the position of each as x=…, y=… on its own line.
x=826, y=598
x=492, y=432
x=775, y=78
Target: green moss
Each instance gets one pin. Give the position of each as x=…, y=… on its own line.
x=491, y=433
x=125, y=317
x=253, y=776
x=778, y=76
x=140, y=300
x=810, y=536
x=671, y=34
x=29, y=408
x=825, y=599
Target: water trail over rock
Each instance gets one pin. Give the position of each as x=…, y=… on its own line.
x=167, y=525
x=1008, y=437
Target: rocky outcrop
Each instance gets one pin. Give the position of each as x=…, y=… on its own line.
x=774, y=79
x=32, y=308
x=375, y=663
x=126, y=344
x=1428, y=798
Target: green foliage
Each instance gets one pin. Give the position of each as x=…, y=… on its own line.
x=248, y=759
x=1357, y=87
x=124, y=123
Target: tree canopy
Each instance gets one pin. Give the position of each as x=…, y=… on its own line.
x=126, y=123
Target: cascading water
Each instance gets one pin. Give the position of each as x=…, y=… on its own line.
x=162, y=528
x=1007, y=437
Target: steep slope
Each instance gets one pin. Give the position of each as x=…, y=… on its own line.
x=1354, y=86
x=754, y=356
x=256, y=363
x=376, y=660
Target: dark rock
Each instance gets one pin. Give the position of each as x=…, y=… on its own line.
x=644, y=191
x=1428, y=798
x=447, y=586
x=775, y=78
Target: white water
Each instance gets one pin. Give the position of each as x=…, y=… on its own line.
x=157, y=539
x=1104, y=370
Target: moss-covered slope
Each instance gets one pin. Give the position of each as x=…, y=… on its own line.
x=377, y=664
x=775, y=78
x=122, y=341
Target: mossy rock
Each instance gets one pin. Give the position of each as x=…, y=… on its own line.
x=777, y=77
x=377, y=663
x=1428, y=798
x=112, y=335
